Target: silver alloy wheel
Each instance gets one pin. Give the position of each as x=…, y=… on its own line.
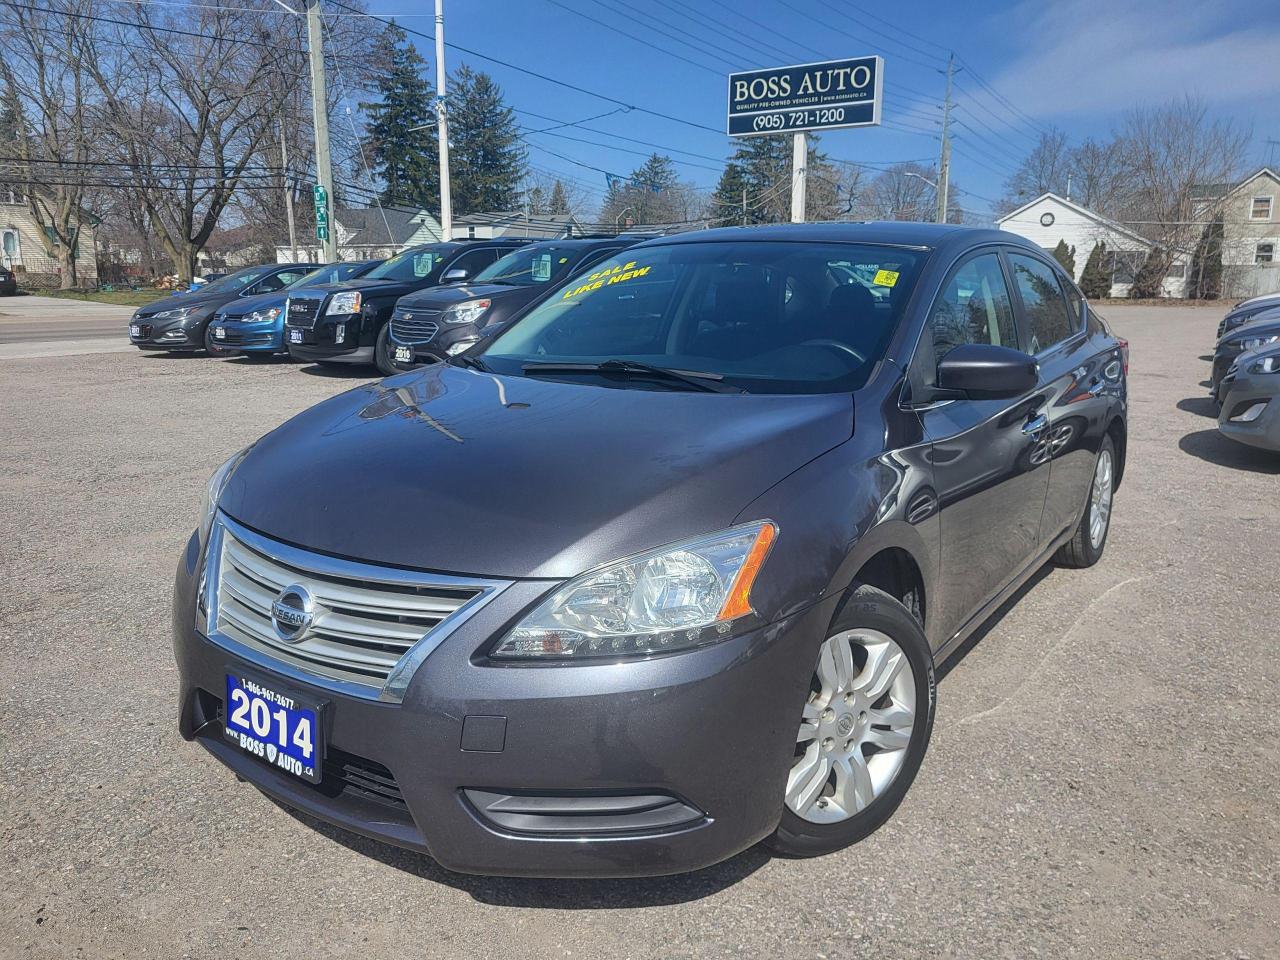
x=855, y=727
x=1100, y=500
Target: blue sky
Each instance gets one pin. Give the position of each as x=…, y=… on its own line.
x=1025, y=65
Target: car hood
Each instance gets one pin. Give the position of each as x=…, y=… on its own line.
x=1256, y=327
x=440, y=298
x=454, y=470
x=194, y=299
x=263, y=301
x=364, y=284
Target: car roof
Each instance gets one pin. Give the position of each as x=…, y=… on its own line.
x=928, y=236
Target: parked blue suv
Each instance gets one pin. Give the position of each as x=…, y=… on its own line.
x=254, y=327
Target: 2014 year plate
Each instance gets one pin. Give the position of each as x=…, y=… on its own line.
x=275, y=726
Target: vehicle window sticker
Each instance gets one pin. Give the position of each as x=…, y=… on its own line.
x=610, y=275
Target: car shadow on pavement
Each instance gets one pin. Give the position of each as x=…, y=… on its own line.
x=340, y=371
x=566, y=894
x=1200, y=406
x=1212, y=446
x=992, y=621
x=176, y=355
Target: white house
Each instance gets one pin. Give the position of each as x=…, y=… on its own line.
x=515, y=223
x=1050, y=218
x=367, y=233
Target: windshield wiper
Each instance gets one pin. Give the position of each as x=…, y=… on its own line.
x=462, y=360
x=695, y=379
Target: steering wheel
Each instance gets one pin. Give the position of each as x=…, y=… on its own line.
x=835, y=345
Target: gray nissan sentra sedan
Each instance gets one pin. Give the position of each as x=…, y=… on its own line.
x=664, y=568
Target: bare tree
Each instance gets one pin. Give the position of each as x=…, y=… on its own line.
x=1044, y=170
x=907, y=191
x=1167, y=152
x=47, y=105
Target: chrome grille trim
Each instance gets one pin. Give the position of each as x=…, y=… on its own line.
x=302, y=311
x=373, y=625
x=415, y=326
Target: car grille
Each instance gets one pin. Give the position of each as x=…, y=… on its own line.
x=302, y=312
x=415, y=326
x=362, y=623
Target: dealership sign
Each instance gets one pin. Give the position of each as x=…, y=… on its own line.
x=810, y=96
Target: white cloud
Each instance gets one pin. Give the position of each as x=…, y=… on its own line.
x=1104, y=56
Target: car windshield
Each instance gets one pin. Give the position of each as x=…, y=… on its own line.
x=330, y=273
x=236, y=281
x=529, y=265
x=765, y=317
x=411, y=265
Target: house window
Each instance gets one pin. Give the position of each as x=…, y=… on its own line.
x=1177, y=271
x=10, y=251
x=1264, y=253
x=1260, y=209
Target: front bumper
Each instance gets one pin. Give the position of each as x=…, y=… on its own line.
x=263, y=336
x=434, y=349
x=1222, y=360
x=1243, y=393
x=713, y=729
x=167, y=335
x=340, y=337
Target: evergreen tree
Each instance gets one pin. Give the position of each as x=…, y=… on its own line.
x=559, y=202
x=1095, y=281
x=762, y=166
x=732, y=197
x=486, y=159
x=1149, y=282
x=407, y=159
x=1066, y=256
x=535, y=201
x=1205, y=279
x=652, y=194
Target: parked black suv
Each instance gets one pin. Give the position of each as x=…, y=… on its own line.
x=664, y=568
x=442, y=321
x=178, y=323
x=344, y=322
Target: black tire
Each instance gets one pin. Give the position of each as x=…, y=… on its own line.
x=211, y=348
x=1080, y=551
x=870, y=608
x=382, y=353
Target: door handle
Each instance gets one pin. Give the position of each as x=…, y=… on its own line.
x=1036, y=426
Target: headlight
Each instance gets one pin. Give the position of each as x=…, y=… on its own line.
x=673, y=598
x=1253, y=343
x=213, y=490
x=468, y=312
x=260, y=316
x=348, y=302
x=456, y=348
x=1269, y=364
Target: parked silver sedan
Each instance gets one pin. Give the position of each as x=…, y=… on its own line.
x=1250, y=394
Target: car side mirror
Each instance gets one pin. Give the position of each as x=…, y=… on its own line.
x=456, y=275
x=983, y=371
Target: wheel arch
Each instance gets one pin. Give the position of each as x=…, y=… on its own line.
x=1118, y=431
x=895, y=571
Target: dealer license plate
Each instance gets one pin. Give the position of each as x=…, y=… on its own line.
x=135, y=330
x=295, y=336
x=404, y=354
x=277, y=727
x=220, y=333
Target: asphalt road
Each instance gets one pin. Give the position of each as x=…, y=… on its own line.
x=1102, y=780
x=33, y=327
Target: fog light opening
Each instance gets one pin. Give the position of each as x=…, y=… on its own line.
x=1252, y=414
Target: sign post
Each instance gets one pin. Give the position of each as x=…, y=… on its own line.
x=809, y=96
x=322, y=214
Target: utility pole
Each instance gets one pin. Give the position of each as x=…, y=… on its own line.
x=288, y=194
x=944, y=162
x=799, y=160
x=744, y=206
x=442, y=130
x=320, y=117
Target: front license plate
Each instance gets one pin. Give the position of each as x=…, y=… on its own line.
x=295, y=336
x=134, y=330
x=220, y=333
x=277, y=727
x=404, y=355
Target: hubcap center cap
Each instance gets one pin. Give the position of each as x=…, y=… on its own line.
x=845, y=725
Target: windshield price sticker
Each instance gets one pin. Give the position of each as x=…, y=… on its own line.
x=602, y=278
x=808, y=96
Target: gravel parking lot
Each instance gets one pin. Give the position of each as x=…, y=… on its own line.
x=1102, y=780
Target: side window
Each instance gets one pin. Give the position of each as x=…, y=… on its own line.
x=1045, y=309
x=291, y=276
x=973, y=307
x=473, y=261
x=1075, y=303
x=267, y=284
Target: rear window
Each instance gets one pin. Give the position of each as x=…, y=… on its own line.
x=768, y=317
